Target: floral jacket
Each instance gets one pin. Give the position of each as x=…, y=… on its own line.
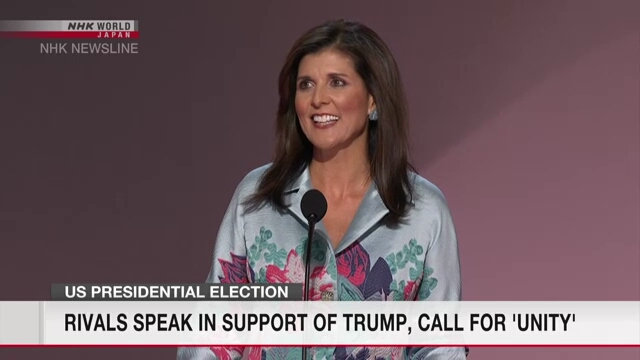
x=417, y=261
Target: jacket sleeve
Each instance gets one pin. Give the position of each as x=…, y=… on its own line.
x=229, y=265
x=441, y=276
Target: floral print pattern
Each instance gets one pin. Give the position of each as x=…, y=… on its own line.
x=354, y=265
x=234, y=271
x=293, y=272
x=360, y=281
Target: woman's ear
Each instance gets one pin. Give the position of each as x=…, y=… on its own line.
x=373, y=110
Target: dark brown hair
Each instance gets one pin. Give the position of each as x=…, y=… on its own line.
x=387, y=137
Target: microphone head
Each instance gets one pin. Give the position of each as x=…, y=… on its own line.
x=313, y=205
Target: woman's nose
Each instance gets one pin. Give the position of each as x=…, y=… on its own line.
x=320, y=97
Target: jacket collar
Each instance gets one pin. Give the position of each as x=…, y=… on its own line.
x=368, y=216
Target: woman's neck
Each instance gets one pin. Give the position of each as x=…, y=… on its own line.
x=345, y=174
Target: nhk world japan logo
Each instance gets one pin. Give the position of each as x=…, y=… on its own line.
x=76, y=36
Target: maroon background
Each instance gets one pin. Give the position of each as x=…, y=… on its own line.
x=118, y=168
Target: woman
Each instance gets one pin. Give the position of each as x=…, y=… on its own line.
x=387, y=234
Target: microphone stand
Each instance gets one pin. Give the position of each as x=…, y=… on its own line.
x=307, y=273
x=313, y=206
x=312, y=226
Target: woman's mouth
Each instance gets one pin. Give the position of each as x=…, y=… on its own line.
x=324, y=120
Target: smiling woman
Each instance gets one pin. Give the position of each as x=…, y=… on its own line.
x=332, y=103
x=387, y=234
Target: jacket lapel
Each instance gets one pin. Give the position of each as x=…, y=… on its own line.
x=367, y=218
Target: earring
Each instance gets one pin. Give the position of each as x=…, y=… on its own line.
x=373, y=116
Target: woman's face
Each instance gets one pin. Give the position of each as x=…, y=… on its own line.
x=332, y=101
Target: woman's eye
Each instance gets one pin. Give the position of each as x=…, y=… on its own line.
x=305, y=84
x=337, y=82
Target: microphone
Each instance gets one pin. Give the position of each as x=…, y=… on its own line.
x=313, y=207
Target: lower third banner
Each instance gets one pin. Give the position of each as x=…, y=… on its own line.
x=319, y=323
